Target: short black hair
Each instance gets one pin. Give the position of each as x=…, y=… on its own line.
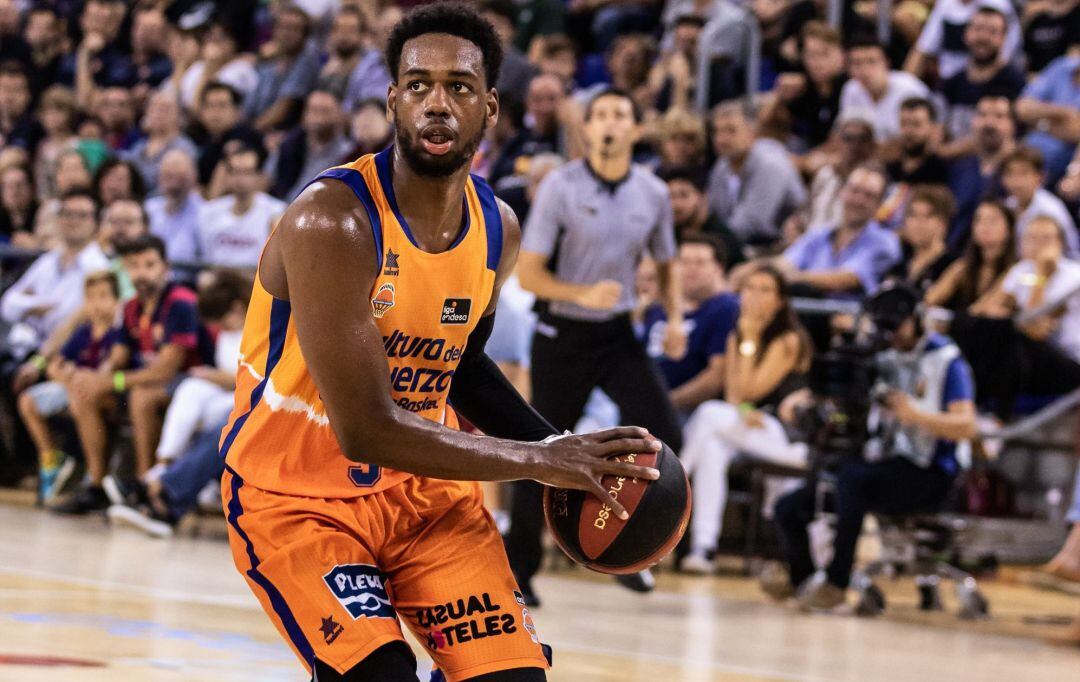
x=986, y=10
x=239, y=147
x=83, y=192
x=719, y=250
x=690, y=174
x=213, y=86
x=611, y=91
x=452, y=18
x=863, y=41
x=142, y=244
x=916, y=103
x=690, y=20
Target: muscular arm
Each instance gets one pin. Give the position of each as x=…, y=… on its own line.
x=323, y=240
x=479, y=390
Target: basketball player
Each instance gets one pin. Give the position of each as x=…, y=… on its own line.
x=345, y=490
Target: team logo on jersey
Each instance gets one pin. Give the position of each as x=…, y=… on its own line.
x=383, y=301
x=456, y=311
x=392, y=268
x=361, y=590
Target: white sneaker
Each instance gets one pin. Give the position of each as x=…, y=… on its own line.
x=697, y=563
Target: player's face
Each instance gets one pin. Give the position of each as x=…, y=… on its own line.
x=441, y=104
x=148, y=272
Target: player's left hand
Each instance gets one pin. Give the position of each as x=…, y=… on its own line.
x=675, y=340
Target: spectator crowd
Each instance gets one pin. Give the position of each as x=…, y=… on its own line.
x=148, y=148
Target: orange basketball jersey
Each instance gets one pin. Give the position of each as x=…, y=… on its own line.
x=425, y=304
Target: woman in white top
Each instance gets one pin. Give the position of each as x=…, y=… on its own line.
x=767, y=358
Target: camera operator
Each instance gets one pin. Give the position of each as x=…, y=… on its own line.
x=907, y=464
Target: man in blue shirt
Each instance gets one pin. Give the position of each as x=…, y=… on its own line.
x=1049, y=105
x=709, y=316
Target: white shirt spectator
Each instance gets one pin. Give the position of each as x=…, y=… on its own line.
x=179, y=230
x=1065, y=281
x=943, y=34
x=1046, y=204
x=52, y=285
x=235, y=240
x=855, y=101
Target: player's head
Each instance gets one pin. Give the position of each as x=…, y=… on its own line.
x=444, y=60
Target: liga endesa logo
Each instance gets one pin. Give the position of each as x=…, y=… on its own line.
x=456, y=311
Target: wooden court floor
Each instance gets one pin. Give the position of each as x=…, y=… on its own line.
x=80, y=601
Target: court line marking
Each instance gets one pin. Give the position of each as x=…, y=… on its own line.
x=235, y=601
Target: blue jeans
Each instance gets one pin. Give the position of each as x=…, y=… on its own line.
x=189, y=474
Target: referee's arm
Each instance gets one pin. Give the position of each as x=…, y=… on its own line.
x=545, y=216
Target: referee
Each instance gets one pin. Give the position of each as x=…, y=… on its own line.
x=595, y=219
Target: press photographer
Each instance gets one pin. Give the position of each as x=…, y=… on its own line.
x=919, y=409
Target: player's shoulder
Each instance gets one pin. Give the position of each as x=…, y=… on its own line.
x=326, y=208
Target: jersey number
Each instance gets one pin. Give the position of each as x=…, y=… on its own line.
x=365, y=475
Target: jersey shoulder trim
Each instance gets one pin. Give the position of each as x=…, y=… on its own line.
x=492, y=221
x=356, y=183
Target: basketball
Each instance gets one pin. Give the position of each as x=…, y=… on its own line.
x=592, y=535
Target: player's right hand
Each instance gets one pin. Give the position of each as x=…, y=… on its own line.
x=580, y=461
x=602, y=295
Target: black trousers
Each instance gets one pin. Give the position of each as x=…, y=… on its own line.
x=895, y=487
x=569, y=360
x=1006, y=363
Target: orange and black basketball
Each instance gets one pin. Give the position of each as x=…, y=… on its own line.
x=591, y=534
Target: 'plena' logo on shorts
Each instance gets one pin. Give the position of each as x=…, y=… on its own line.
x=361, y=590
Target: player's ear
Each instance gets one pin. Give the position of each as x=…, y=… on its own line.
x=391, y=102
x=492, y=105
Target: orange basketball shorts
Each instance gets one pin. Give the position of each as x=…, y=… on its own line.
x=336, y=575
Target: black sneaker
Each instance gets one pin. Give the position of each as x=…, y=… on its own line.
x=142, y=517
x=131, y=493
x=90, y=498
x=641, y=581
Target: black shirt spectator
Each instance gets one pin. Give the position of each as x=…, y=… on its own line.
x=1051, y=32
x=918, y=163
x=44, y=35
x=984, y=74
x=18, y=126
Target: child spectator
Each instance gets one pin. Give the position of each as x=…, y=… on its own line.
x=87, y=347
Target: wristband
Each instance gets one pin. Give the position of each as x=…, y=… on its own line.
x=746, y=407
x=119, y=382
x=38, y=360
